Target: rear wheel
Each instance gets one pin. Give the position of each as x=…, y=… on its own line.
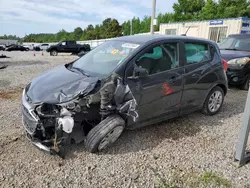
x=53, y=53
x=213, y=101
x=245, y=85
x=104, y=134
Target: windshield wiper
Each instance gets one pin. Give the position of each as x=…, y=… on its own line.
x=81, y=71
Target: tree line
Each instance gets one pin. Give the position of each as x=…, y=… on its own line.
x=183, y=10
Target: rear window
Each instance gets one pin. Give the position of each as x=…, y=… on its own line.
x=197, y=52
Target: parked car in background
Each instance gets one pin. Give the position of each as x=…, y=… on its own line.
x=235, y=49
x=16, y=47
x=127, y=82
x=29, y=47
x=2, y=47
x=68, y=46
x=41, y=47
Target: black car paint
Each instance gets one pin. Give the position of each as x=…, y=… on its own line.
x=16, y=48
x=59, y=85
x=190, y=84
x=241, y=73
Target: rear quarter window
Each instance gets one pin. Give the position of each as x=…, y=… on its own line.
x=197, y=52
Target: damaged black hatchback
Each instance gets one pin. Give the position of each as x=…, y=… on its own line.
x=127, y=82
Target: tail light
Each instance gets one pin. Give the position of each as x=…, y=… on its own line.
x=225, y=65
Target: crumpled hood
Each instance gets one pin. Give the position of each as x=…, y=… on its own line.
x=232, y=54
x=59, y=85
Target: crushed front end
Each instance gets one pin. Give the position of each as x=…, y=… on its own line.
x=52, y=127
x=47, y=126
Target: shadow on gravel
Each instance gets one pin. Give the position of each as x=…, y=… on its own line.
x=22, y=63
x=148, y=138
x=170, y=131
x=234, y=103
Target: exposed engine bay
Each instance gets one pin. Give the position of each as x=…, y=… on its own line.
x=53, y=127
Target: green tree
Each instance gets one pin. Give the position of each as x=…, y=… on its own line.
x=186, y=10
x=145, y=24
x=136, y=23
x=77, y=33
x=110, y=28
x=61, y=35
x=209, y=11
x=233, y=8
x=126, y=28
x=163, y=18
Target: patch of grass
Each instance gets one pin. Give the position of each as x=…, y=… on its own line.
x=11, y=94
x=210, y=177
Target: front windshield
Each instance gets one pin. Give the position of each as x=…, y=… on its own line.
x=103, y=59
x=231, y=43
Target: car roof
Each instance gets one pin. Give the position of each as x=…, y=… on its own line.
x=141, y=39
x=240, y=36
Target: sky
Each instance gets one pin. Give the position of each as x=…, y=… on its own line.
x=20, y=17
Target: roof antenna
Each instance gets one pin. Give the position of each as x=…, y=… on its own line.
x=186, y=32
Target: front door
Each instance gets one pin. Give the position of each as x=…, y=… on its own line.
x=158, y=94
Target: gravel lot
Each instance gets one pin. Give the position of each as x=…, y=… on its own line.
x=191, y=151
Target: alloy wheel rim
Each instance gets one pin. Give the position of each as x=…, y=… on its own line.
x=215, y=101
x=110, y=138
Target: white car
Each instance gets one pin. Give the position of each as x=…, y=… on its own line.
x=42, y=47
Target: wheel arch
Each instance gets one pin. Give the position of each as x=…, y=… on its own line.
x=222, y=86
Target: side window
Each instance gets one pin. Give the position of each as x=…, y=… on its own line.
x=197, y=53
x=63, y=43
x=159, y=58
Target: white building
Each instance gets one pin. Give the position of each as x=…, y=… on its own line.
x=210, y=29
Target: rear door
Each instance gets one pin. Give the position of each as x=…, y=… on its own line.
x=197, y=77
x=158, y=94
x=72, y=46
x=69, y=46
x=62, y=47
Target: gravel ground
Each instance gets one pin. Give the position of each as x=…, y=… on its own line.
x=190, y=151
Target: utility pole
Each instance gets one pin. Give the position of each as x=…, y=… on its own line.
x=153, y=17
x=241, y=154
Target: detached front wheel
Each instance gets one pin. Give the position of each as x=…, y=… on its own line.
x=104, y=134
x=213, y=101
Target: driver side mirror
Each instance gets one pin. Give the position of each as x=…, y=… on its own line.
x=139, y=72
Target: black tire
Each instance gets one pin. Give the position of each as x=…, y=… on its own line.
x=245, y=86
x=206, y=110
x=82, y=50
x=53, y=53
x=100, y=131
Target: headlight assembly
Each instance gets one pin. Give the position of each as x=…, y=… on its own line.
x=240, y=62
